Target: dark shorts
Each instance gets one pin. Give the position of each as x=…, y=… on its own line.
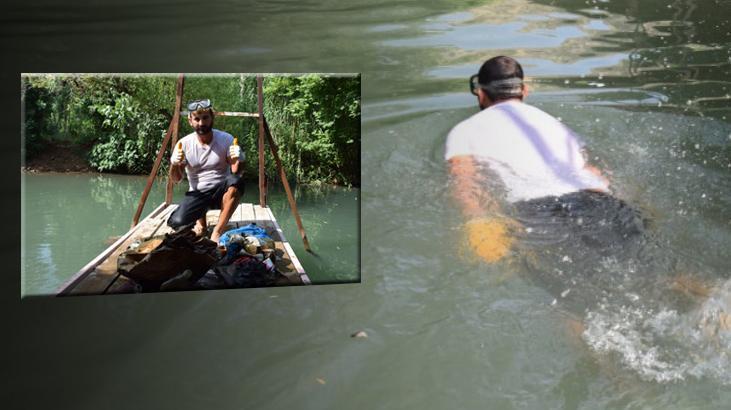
x=585, y=218
x=195, y=204
x=583, y=246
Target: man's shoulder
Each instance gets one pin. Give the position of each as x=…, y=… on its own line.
x=467, y=123
x=222, y=138
x=529, y=109
x=188, y=140
x=221, y=134
x=478, y=123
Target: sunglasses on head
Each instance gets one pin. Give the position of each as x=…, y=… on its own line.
x=199, y=105
x=506, y=86
x=475, y=84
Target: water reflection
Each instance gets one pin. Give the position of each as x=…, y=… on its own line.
x=681, y=52
x=680, y=49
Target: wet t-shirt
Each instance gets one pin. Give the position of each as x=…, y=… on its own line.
x=533, y=153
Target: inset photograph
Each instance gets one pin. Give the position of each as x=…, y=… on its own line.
x=161, y=182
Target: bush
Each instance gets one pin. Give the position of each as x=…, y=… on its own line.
x=121, y=121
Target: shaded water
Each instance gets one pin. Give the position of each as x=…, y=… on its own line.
x=70, y=219
x=644, y=83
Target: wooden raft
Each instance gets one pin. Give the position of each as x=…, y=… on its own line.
x=100, y=275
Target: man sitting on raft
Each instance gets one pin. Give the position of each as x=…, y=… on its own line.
x=212, y=163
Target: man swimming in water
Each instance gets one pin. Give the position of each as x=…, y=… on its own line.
x=538, y=160
x=519, y=173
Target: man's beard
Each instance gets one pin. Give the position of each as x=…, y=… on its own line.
x=203, y=129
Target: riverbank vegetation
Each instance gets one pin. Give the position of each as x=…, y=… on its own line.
x=117, y=122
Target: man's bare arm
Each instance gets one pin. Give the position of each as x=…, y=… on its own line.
x=592, y=168
x=235, y=166
x=468, y=190
x=488, y=234
x=176, y=172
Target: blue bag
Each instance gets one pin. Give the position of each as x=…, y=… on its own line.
x=249, y=230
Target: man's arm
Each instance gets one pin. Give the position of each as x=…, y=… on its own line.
x=177, y=163
x=176, y=172
x=234, y=157
x=468, y=190
x=592, y=168
x=235, y=167
x=235, y=164
x=488, y=234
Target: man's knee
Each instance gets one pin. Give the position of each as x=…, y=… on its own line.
x=234, y=192
x=176, y=220
x=183, y=216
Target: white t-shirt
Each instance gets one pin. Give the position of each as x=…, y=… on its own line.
x=207, y=165
x=533, y=153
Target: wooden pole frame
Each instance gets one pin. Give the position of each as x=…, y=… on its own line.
x=264, y=132
x=283, y=177
x=260, y=120
x=176, y=126
x=172, y=131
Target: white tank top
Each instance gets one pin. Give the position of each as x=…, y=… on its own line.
x=533, y=153
x=207, y=165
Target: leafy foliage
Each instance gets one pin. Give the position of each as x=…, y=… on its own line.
x=131, y=138
x=121, y=120
x=319, y=120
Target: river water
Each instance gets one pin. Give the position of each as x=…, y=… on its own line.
x=57, y=245
x=645, y=83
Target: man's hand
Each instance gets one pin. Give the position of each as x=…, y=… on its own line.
x=234, y=155
x=489, y=238
x=178, y=155
x=234, y=152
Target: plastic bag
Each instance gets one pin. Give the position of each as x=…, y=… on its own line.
x=248, y=232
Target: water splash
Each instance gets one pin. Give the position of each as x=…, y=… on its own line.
x=663, y=345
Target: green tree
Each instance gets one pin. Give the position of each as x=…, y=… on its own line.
x=120, y=121
x=317, y=120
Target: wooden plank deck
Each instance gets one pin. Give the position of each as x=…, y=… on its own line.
x=100, y=275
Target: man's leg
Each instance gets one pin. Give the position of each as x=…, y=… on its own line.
x=228, y=205
x=192, y=208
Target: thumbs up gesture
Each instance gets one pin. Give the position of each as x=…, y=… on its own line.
x=234, y=151
x=178, y=155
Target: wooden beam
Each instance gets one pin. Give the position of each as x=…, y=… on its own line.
x=81, y=274
x=283, y=177
x=288, y=248
x=227, y=114
x=260, y=104
x=176, y=126
x=151, y=177
x=106, y=273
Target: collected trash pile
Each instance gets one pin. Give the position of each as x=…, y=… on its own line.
x=243, y=257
